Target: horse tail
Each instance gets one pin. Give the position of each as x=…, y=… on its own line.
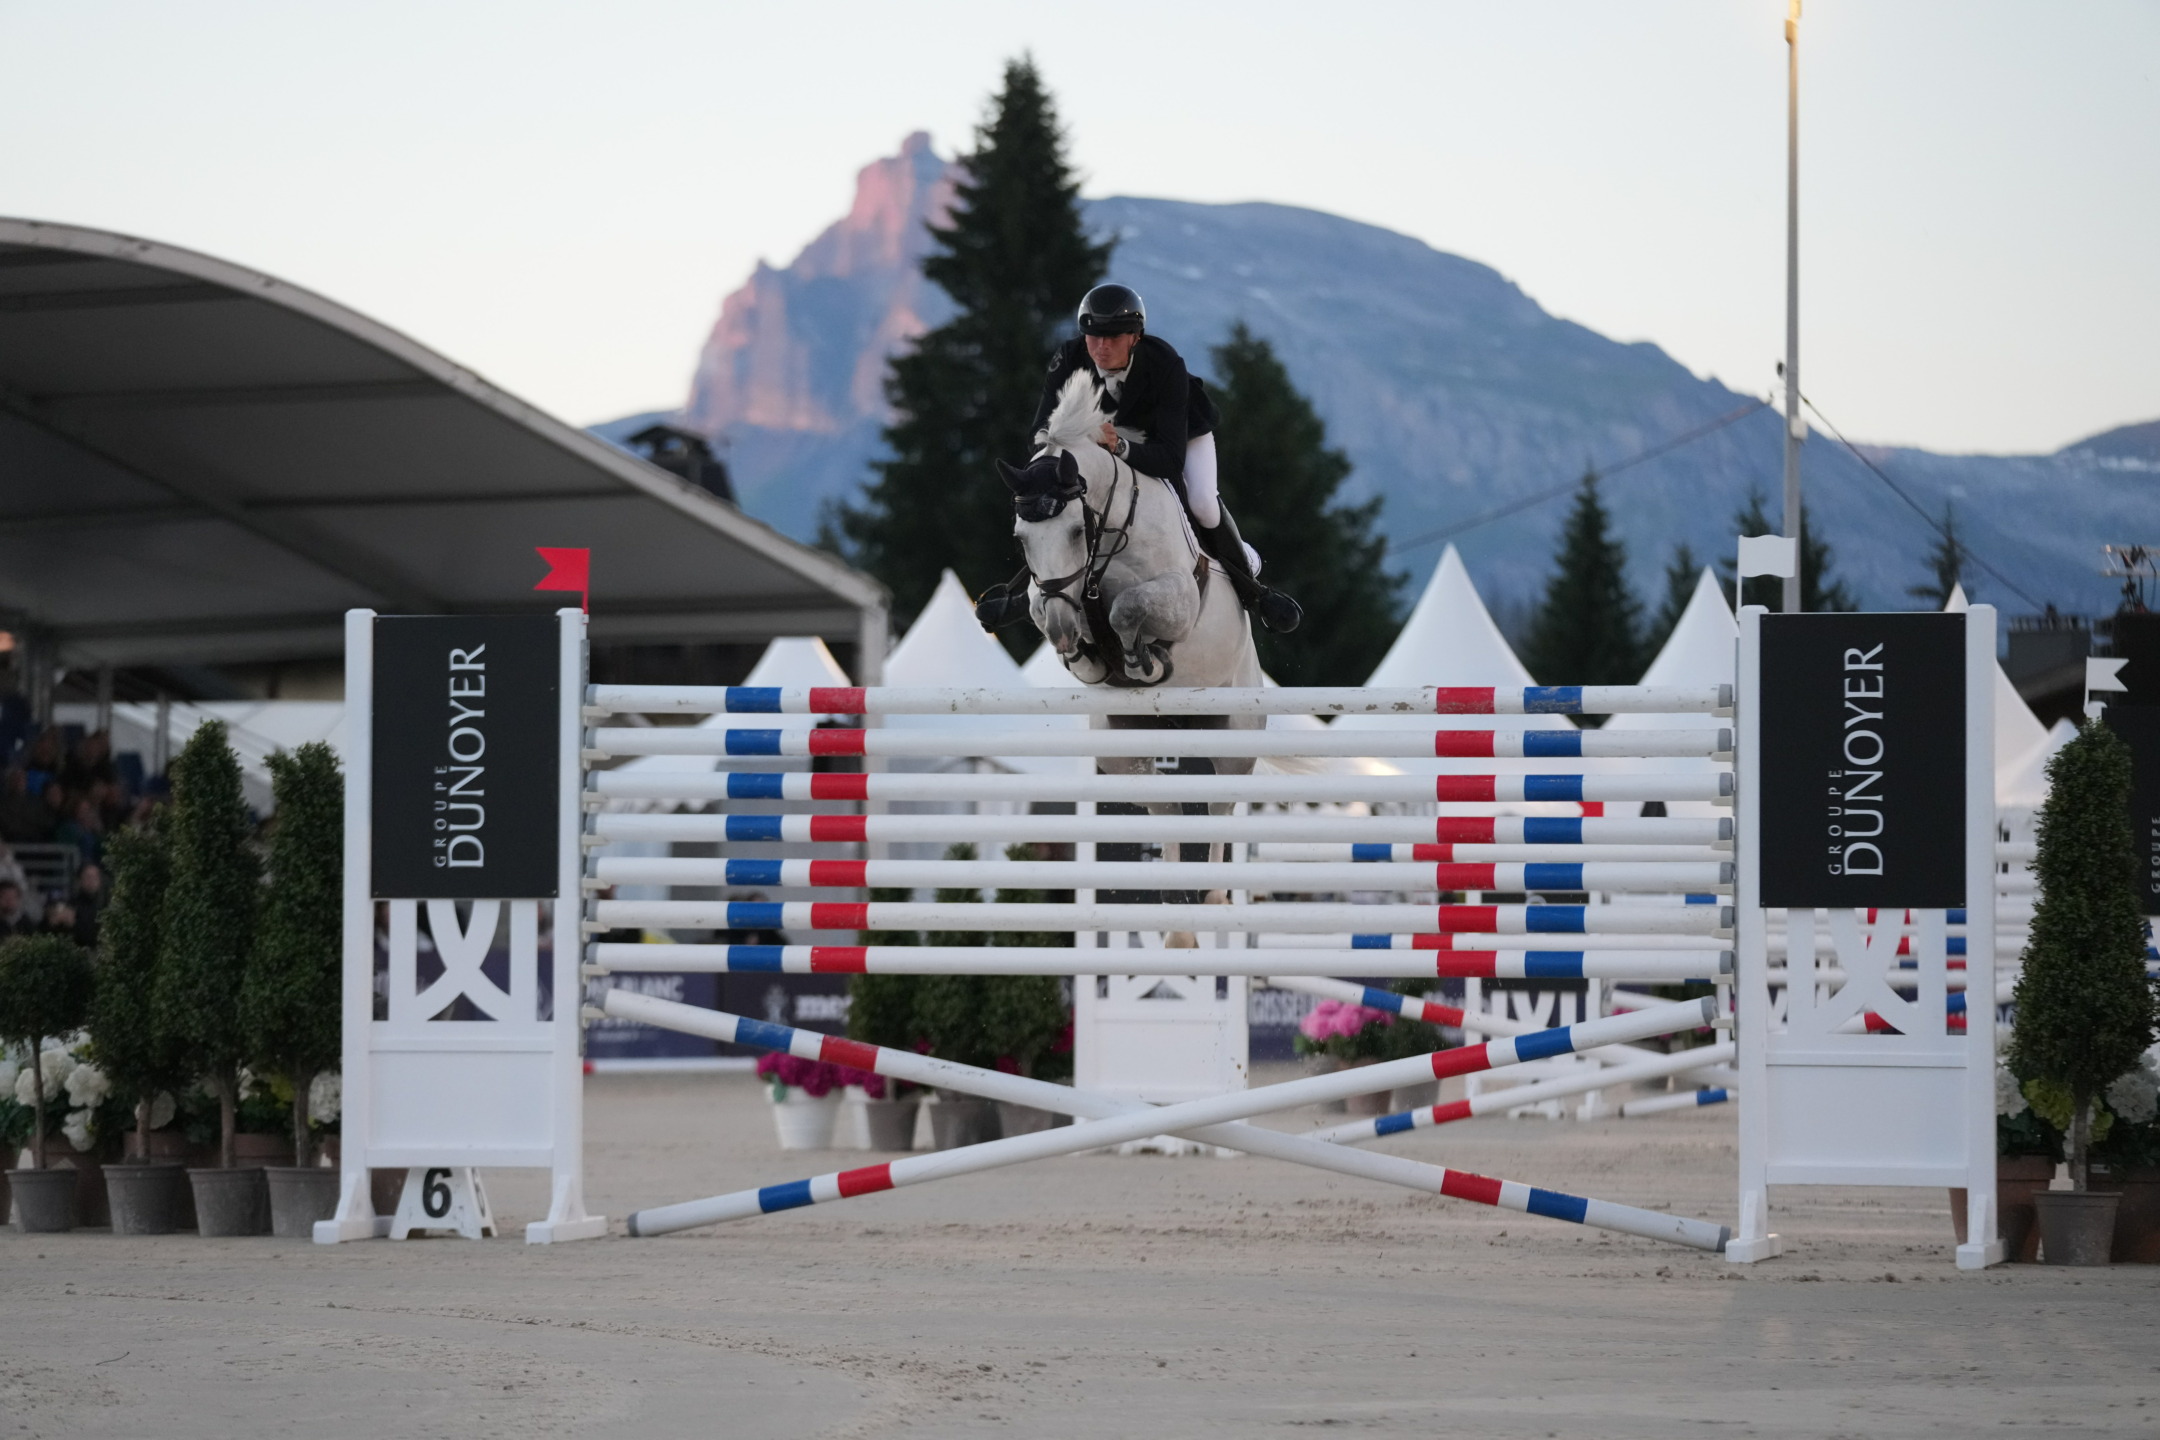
x=1078, y=415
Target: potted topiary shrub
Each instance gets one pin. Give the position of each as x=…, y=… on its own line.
x=210, y=913
x=2085, y=1009
x=291, y=999
x=45, y=985
x=130, y=1036
x=881, y=1011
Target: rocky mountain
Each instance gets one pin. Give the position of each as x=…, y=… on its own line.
x=1453, y=392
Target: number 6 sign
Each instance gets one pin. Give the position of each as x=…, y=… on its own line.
x=443, y=1199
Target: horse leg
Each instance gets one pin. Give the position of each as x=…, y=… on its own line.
x=1162, y=609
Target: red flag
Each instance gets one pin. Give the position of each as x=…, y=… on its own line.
x=568, y=570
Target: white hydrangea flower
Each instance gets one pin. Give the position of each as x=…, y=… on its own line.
x=77, y=1128
x=87, y=1086
x=57, y=1065
x=326, y=1097
x=22, y=1086
x=2010, y=1099
x=2135, y=1096
x=9, y=1071
x=162, y=1109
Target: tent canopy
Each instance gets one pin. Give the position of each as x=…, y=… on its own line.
x=201, y=463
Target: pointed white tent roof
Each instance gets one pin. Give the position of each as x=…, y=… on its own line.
x=2018, y=732
x=1045, y=670
x=2023, y=784
x=790, y=660
x=947, y=646
x=1702, y=650
x=1450, y=639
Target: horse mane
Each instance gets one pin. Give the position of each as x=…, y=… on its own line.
x=1078, y=415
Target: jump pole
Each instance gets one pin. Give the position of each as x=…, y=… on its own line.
x=1695, y=1100
x=1409, y=701
x=1104, y=1121
x=1239, y=919
x=1356, y=833
x=609, y=741
x=1496, y=1101
x=629, y=784
x=1482, y=1022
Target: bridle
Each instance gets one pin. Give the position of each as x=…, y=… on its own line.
x=1095, y=529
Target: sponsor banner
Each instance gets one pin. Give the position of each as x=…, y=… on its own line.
x=1862, y=760
x=465, y=757
x=2139, y=727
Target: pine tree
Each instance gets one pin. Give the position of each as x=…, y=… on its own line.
x=1015, y=262
x=210, y=911
x=1588, y=628
x=1682, y=574
x=1280, y=480
x=1945, y=564
x=291, y=1001
x=132, y=1040
x=2085, y=1009
x=1818, y=592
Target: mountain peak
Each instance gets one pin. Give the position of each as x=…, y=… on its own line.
x=803, y=348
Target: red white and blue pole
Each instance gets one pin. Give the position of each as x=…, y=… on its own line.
x=1407, y=702
x=678, y=785
x=1107, y=1121
x=608, y=741
x=1363, y=837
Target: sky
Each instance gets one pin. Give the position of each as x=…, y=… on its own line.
x=557, y=196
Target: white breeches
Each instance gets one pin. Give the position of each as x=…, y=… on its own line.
x=1201, y=495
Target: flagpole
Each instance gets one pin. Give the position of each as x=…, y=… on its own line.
x=1795, y=425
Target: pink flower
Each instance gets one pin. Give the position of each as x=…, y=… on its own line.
x=1331, y=1018
x=815, y=1077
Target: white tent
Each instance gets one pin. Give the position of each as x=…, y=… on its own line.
x=2022, y=743
x=1045, y=671
x=1450, y=639
x=1702, y=650
x=947, y=646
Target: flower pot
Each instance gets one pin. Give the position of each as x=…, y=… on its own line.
x=2137, y=1219
x=231, y=1202
x=148, y=1198
x=1413, y=1097
x=300, y=1196
x=892, y=1123
x=958, y=1120
x=2017, y=1179
x=1015, y=1119
x=2077, y=1227
x=1373, y=1102
x=250, y=1150
x=44, y=1200
x=88, y=1173
x=805, y=1121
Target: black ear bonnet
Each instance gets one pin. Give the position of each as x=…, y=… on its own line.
x=1045, y=487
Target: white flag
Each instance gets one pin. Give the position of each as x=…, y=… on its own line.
x=1769, y=555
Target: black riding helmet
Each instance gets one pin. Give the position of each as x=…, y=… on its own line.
x=1112, y=310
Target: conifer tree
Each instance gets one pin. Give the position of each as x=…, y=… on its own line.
x=1682, y=574
x=2085, y=1009
x=210, y=912
x=291, y=998
x=132, y=1038
x=1015, y=262
x=1818, y=592
x=1588, y=627
x=1945, y=565
x=1280, y=479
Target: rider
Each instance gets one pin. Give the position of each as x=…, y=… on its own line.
x=1147, y=387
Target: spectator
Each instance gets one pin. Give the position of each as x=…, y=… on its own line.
x=53, y=800
x=14, y=920
x=90, y=765
x=84, y=829
x=22, y=818
x=59, y=920
x=88, y=902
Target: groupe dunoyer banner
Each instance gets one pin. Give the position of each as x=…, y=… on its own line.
x=1861, y=760
x=465, y=757
x=2139, y=727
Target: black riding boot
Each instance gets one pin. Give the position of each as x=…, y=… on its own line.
x=1275, y=610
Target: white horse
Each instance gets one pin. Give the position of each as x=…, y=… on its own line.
x=1107, y=546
